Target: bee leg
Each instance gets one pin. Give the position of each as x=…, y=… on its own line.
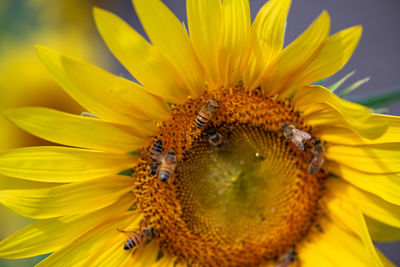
x=142, y=224
x=126, y=232
x=306, y=145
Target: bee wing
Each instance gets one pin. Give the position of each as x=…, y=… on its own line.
x=129, y=233
x=307, y=136
x=301, y=134
x=322, y=161
x=298, y=143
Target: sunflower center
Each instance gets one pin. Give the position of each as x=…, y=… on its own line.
x=237, y=192
x=241, y=193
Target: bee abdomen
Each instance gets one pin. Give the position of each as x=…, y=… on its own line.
x=165, y=175
x=201, y=121
x=131, y=243
x=156, y=151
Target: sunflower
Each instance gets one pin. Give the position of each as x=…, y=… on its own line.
x=225, y=154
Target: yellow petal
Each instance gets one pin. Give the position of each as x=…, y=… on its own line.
x=74, y=130
x=204, y=21
x=382, y=232
x=236, y=42
x=310, y=255
x=61, y=164
x=392, y=134
x=336, y=52
x=68, y=199
x=113, y=254
x=168, y=35
x=268, y=33
x=386, y=186
x=299, y=54
x=77, y=252
x=269, y=26
x=116, y=93
x=370, y=205
x=7, y=182
x=309, y=96
x=322, y=108
x=345, y=213
x=345, y=136
x=48, y=235
x=333, y=241
x=324, y=115
x=140, y=58
x=382, y=158
x=54, y=62
x=258, y=68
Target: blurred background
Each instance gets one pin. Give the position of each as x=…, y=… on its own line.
x=67, y=25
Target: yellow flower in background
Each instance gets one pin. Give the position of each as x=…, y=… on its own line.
x=23, y=79
x=248, y=164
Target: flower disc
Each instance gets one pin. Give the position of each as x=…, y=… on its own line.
x=241, y=201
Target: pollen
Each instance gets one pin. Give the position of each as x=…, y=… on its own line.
x=240, y=193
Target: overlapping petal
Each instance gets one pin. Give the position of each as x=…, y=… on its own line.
x=326, y=109
x=80, y=251
x=336, y=52
x=325, y=246
x=67, y=199
x=382, y=232
x=113, y=254
x=345, y=136
x=266, y=37
x=236, y=42
x=345, y=213
x=299, y=54
x=83, y=91
x=204, y=21
x=48, y=235
x=61, y=164
x=141, y=59
x=269, y=26
x=79, y=131
x=370, y=205
x=382, y=158
x=319, y=94
x=169, y=36
x=386, y=186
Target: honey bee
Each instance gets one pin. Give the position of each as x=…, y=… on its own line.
x=208, y=110
x=215, y=138
x=156, y=157
x=296, y=136
x=318, y=157
x=287, y=258
x=168, y=164
x=137, y=238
